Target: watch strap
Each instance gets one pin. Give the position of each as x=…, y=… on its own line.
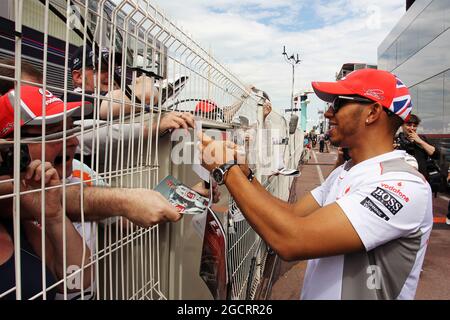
x=250, y=175
x=224, y=169
x=226, y=166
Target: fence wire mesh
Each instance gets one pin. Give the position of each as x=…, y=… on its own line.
x=124, y=77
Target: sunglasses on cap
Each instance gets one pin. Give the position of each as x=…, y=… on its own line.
x=341, y=101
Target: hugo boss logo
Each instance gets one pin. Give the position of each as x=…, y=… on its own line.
x=388, y=200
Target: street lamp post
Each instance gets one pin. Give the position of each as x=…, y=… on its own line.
x=292, y=60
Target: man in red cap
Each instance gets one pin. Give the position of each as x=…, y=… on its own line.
x=32, y=112
x=59, y=254
x=32, y=121
x=366, y=227
x=141, y=206
x=209, y=110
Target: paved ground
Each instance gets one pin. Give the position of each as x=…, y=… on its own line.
x=435, y=278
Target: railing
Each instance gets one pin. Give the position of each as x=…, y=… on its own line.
x=124, y=146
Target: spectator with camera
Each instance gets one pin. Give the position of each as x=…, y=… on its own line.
x=99, y=203
x=141, y=206
x=421, y=149
x=59, y=254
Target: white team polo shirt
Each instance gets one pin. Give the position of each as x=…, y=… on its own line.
x=389, y=204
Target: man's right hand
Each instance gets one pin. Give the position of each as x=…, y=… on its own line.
x=215, y=153
x=147, y=208
x=31, y=202
x=176, y=120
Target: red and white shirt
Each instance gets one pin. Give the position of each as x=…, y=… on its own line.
x=389, y=204
x=88, y=229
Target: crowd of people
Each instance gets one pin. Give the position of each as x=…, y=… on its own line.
x=312, y=138
x=45, y=224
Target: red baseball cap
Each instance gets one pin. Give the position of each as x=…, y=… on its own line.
x=377, y=85
x=205, y=106
x=31, y=108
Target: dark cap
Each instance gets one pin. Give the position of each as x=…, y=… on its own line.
x=414, y=119
x=76, y=61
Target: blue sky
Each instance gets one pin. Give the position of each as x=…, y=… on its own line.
x=248, y=37
x=283, y=17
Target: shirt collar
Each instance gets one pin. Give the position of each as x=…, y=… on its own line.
x=380, y=158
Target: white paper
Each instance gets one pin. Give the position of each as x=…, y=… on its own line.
x=287, y=172
x=235, y=213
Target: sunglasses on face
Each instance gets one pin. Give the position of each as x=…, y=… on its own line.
x=341, y=101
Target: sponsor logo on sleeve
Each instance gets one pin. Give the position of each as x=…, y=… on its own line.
x=396, y=190
x=387, y=200
x=369, y=204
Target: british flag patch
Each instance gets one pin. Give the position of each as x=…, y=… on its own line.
x=401, y=104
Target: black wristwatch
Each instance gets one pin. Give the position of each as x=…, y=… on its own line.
x=219, y=172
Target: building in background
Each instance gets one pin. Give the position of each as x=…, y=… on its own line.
x=349, y=67
x=33, y=26
x=417, y=50
x=409, y=3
